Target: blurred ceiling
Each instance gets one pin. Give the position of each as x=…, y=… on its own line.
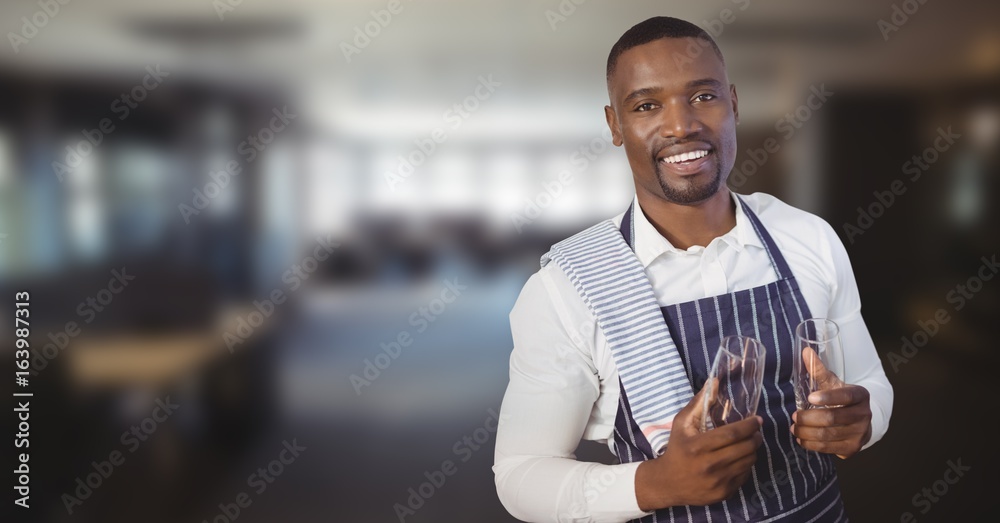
x=431, y=52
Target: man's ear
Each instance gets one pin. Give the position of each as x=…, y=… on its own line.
x=736, y=102
x=616, y=132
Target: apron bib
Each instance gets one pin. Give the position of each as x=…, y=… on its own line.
x=787, y=483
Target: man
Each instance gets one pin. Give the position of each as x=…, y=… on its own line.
x=614, y=335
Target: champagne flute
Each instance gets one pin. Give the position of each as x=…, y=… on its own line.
x=819, y=359
x=737, y=377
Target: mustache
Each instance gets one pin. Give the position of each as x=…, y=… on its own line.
x=673, y=146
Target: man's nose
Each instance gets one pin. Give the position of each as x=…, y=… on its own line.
x=678, y=121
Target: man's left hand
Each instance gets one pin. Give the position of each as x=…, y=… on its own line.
x=843, y=426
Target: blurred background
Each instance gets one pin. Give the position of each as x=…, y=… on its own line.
x=437, y=149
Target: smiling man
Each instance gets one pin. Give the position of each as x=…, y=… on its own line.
x=614, y=336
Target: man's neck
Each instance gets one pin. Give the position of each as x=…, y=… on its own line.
x=687, y=225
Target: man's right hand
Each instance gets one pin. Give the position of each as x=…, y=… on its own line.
x=699, y=468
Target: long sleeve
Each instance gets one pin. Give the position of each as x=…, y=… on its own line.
x=862, y=364
x=553, y=388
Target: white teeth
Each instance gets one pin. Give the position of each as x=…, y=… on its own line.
x=685, y=157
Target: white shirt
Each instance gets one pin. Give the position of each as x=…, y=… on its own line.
x=563, y=380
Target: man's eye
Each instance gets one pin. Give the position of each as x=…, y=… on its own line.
x=705, y=97
x=644, y=107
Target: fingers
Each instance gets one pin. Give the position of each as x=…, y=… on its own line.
x=814, y=366
x=839, y=430
x=736, y=470
x=739, y=460
x=739, y=480
x=712, y=387
x=730, y=434
x=743, y=452
x=837, y=416
x=732, y=462
x=843, y=395
x=842, y=448
x=691, y=417
x=745, y=462
x=829, y=434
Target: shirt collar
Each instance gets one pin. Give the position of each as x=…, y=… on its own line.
x=650, y=244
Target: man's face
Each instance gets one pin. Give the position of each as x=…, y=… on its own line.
x=676, y=116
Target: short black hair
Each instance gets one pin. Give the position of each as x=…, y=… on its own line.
x=654, y=29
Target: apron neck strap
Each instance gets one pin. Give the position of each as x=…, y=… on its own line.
x=778, y=262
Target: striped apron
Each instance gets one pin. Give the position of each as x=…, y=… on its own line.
x=787, y=483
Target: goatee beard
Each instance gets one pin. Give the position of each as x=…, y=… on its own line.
x=689, y=193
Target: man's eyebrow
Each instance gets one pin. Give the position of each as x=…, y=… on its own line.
x=705, y=82
x=693, y=84
x=638, y=93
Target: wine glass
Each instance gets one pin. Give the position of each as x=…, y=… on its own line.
x=817, y=341
x=736, y=378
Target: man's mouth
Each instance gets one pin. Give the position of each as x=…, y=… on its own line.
x=686, y=157
x=687, y=162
